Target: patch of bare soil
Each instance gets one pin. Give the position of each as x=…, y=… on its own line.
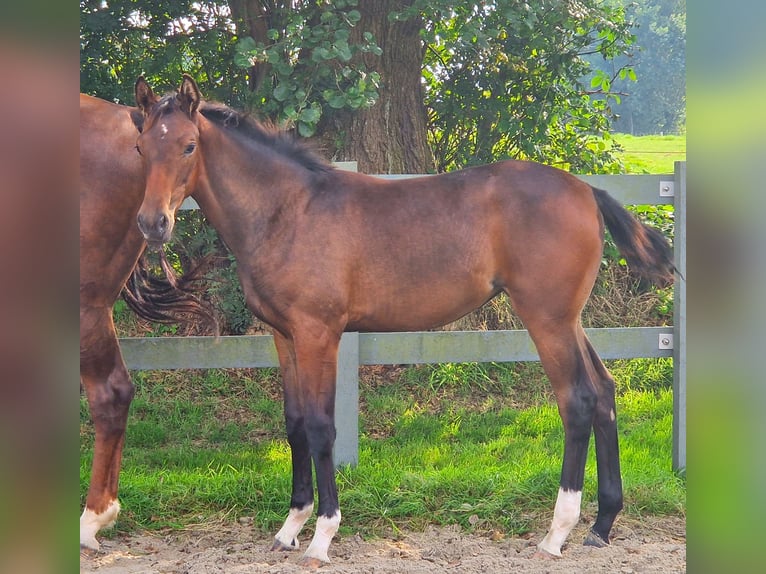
x=655, y=545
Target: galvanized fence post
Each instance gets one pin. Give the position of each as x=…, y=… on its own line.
x=347, y=402
x=679, y=320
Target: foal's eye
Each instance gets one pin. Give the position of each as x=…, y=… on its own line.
x=190, y=148
x=138, y=149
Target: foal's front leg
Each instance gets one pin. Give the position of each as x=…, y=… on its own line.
x=316, y=353
x=302, y=499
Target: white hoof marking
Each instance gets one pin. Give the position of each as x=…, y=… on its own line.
x=91, y=523
x=296, y=518
x=326, y=529
x=565, y=517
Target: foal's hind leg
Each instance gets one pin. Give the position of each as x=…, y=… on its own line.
x=560, y=348
x=607, y=454
x=109, y=390
x=302, y=499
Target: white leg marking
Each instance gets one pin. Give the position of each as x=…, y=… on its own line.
x=565, y=517
x=296, y=518
x=91, y=523
x=326, y=529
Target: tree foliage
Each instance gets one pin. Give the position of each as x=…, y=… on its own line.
x=310, y=58
x=501, y=79
x=161, y=39
x=656, y=102
x=504, y=79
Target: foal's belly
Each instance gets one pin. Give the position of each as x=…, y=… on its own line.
x=420, y=307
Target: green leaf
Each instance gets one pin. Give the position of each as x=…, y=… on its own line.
x=321, y=54
x=242, y=60
x=343, y=50
x=246, y=44
x=306, y=130
x=310, y=115
x=353, y=16
x=282, y=92
x=334, y=99
x=342, y=35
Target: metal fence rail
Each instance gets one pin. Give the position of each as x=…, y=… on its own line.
x=357, y=349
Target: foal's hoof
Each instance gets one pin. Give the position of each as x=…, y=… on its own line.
x=593, y=539
x=88, y=551
x=311, y=563
x=541, y=554
x=279, y=546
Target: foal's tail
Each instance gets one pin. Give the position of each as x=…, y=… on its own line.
x=169, y=299
x=646, y=250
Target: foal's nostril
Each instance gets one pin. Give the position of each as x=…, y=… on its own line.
x=162, y=223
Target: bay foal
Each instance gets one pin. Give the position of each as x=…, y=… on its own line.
x=322, y=251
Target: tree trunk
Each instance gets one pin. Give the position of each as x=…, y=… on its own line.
x=390, y=136
x=251, y=18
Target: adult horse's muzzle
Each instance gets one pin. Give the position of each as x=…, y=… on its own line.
x=156, y=228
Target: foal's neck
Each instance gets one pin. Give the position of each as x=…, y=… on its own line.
x=246, y=189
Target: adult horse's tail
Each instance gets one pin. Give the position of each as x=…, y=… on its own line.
x=169, y=299
x=646, y=250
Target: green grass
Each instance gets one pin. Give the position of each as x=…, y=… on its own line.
x=460, y=443
x=472, y=444
x=650, y=154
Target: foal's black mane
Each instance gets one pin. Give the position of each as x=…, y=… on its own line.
x=280, y=141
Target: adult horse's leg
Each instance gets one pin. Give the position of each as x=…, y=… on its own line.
x=316, y=354
x=607, y=454
x=109, y=391
x=302, y=499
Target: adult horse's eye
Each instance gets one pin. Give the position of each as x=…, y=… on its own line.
x=190, y=148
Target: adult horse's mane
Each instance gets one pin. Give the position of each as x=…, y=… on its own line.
x=278, y=140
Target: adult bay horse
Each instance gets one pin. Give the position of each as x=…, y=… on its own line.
x=321, y=252
x=111, y=191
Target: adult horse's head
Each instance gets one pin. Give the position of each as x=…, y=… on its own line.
x=168, y=145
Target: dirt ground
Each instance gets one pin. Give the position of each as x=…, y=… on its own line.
x=654, y=545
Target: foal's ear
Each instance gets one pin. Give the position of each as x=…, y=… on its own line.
x=189, y=95
x=145, y=97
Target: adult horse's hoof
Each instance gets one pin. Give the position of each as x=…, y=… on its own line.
x=593, y=539
x=279, y=546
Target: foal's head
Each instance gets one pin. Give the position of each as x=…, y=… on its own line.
x=168, y=145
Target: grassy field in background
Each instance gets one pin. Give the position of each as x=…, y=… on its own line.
x=650, y=154
x=479, y=445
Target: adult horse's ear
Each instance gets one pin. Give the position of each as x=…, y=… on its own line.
x=145, y=97
x=189, y=95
